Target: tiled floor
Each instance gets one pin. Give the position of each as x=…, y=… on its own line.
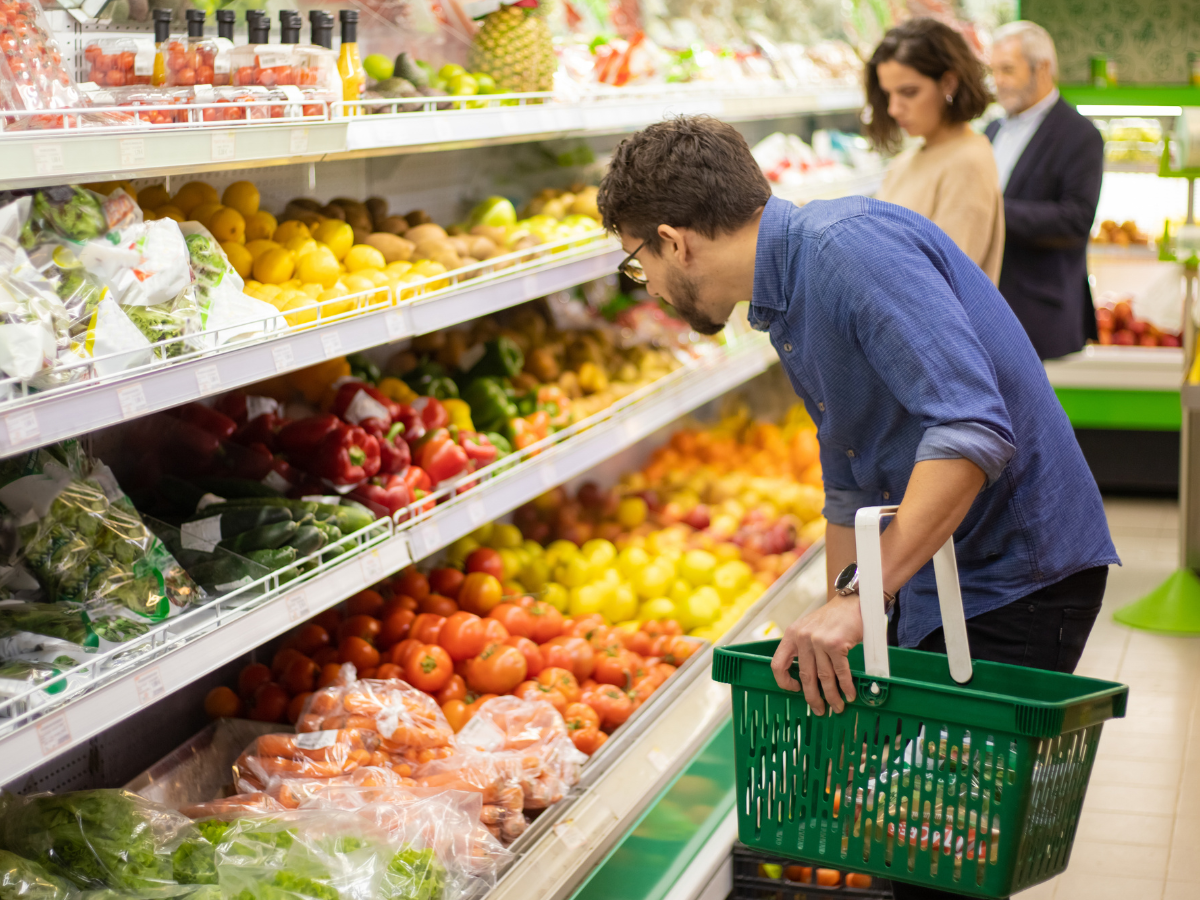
x=1139, y=837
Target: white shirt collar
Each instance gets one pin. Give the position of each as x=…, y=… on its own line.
x=1038, y=110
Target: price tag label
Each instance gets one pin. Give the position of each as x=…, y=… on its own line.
x=149, y=686
x=549, y=473
x=53, y=733
x=630, y=427
x=569, y=834
x=372, y=567
x=395, y=326
x=48, y=159
x=510, y=122
x=208, y=379
x=476, y=513
x=296, y=605
x=430, y=538
x=441, y=128
x=331, y=343
x=284, y=357
x=531, y=287
x=224, y=146
x=22, y=427
x=299, y=142
x=133, y=401
x=659, y=760
x=133, y=152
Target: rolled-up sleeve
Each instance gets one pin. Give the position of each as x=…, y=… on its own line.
x=841, y=504
x=967, y=440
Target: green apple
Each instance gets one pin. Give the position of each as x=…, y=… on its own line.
x=379, y=67
x=494, y=212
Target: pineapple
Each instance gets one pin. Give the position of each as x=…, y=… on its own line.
x=514, y=46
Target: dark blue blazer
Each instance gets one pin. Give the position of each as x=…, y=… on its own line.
x=1049, y=206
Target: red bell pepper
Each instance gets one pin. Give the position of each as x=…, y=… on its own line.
x=478, y=448
x=384, y=499
x=252, y=462
x=441, y=457
x=215, y=423
x=259, y=430
x=414, y=427
x=433, y=414
x=233, y=405
x=302, y=438
x=282, y=476
x=347, y=455
x=348, y=406
x=419, y=484
x=394, y=453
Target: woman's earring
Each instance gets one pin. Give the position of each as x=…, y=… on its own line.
x=949, y=99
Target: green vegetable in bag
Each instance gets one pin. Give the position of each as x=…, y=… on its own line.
x=22, y=879
x=73, y=212
x=167, y=322
x=414, y=875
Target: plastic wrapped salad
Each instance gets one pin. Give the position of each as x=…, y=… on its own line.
x=227, y=313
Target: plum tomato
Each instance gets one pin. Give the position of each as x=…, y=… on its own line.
x=588, y=740
x=495, y=631
x=438, y=605
x=300, y=675
x=330, y=673
x=360, y=626
x=387, y=671
x=463, y=636
x=330, y=619
x=358, y=652
x=251, y=678
x=455, y=689
x=295, y=707
x=310, y=638
x=398, y=654
x=457, y=713
x=269, y=703
x=395, y=627
x=365, y=603
x=429, y=669
x=222, y=703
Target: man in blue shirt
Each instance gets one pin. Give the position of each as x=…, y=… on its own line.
x=925, y=389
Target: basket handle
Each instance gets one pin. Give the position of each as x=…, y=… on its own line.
x=874, y=614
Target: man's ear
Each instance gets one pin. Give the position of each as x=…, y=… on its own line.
x=674, y=243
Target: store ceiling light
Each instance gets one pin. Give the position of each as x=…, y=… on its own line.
x=1157, y=111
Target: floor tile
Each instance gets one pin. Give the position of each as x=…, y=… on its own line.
x=1077, y=885
x=1043, y=891
x=1136, y=772
x=1119, y=859
x=1176, y=890
x=1107, y=827
x=1128, y=799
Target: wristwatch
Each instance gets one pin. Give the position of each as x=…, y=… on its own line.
x=846, y=584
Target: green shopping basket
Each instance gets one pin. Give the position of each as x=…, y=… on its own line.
x=970, y=788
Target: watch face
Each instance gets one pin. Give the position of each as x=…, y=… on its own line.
x=846, y=577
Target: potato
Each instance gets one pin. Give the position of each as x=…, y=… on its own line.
x=448, y=258
x=481, y=247
x=393, y=247
x=425, y=232
x=333, y=211
x=494, y=233
x=418, y=217
x=378, y=208
x=394, y=225
x=461, y=245
x=347, y=202
x=439, y=251
x=529, y=240
x=305, y=203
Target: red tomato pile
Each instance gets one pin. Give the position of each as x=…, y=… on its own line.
x=457, y=637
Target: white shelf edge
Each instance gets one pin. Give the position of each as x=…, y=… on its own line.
x=1118, y=369
x=78, y=410
x=88, y=714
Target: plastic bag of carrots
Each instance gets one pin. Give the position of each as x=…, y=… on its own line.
x=368, y=782
x=271, y=758
x=226, y=808
x=494, y=780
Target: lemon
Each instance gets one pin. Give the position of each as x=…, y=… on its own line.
x=239, y=257
x=357, y=284
x=193, y=194
x=300, y=246
x=170, y=212
x=259, y=247
x=260, y=225
x=288, y=230
x=408, y=293
x=299, y=310
x=251, y=284
x=65, y=258
x=319, y=266
x=274, y=267
x=242, y=196
x=153, y=197
x=337, y=234
x=364, y=256
x=149, y=215
x=268, y=292
x=228, y=226
x=292, y=284
x=204, y=213
x=333, y=303
x=397, y=268
x=313, y=290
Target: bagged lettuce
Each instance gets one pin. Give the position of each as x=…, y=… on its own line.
x=23, y=879
x=227, y=313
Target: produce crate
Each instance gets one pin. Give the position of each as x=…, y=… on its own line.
x=974, y=789
x=752, y=882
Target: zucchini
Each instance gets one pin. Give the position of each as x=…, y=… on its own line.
x=273, y=559
x=307, y=540
x=244, y=518
x=226, y=569
x=265, y=537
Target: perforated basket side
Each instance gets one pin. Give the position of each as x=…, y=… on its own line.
x=1036, y=721
x=727, y=668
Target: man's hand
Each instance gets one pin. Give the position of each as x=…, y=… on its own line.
x=820, y=641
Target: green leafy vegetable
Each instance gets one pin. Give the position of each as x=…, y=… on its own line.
x=73, y=212
x=49, y=619
x=22, y=879
x=414, y=875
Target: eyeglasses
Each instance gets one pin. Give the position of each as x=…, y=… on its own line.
x=631, y=267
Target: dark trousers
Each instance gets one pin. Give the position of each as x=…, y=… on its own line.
x=1044, y=630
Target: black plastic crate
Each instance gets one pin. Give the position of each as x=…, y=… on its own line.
x=750, y=882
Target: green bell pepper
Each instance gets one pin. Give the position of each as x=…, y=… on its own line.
x=491, y=408
x=501, y=359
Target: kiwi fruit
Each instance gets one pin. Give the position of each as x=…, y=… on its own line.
x=393, y=247
x=333, y=211
x=421, y=233
x=418, y=217
x=361, y=235
x=378, y=208
x=481, y=247
x=305, y=203
x=394, y=225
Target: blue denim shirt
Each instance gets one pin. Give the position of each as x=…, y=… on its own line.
x=902, y=350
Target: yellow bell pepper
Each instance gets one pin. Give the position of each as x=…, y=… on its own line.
x=460, y=414
x=315, y=381
x=395, y=389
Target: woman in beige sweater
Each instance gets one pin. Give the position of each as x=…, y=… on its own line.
x=924, y=79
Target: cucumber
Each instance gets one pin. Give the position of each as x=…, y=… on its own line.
x=350, y=519
x=307, y=540
x=266, y=537
x=273, y=559
x=236, y=488
x=241, y=519
x=227, y=569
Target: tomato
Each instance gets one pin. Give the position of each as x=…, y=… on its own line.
x=269, y=703
x=398, y=654
x=829, y=877
x=547, y=621
x=611, y=704
x=857, y=880
x=479, y=700
x=534, y=690
x=495, y=631
x=399, y=602
x=251, y=678
x=455, y=689
x=802, y=874
x=531, y=652
x=369, y=673
x=396, y=627
x=497, y=670
x=388, y=671
x=221, y=702
x=295, y=707
x=365, y=627
x=300, y=675
x=426, y=627
x=677, y=650
x=325, y=655
x=525, y=601
x=438, y=605
x=411, y=583
x=429, y=669
x=585, y=625
x=642, y=690
x=457, y=714
x=671, y=628
x=358, y=652
x=330, y=673
x=637, y=641
x=446, y=582
x=517, y=620
x=486, y=560
x=611, y=668
x=309, y=638
x=365, y=603
x=579, y=656
x=480, y=593
x=329, y=620
x=463, y=636
x=588, y=740
x=579, y=716
x=562, y=680
x=279, y=662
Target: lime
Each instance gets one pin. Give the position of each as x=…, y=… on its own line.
x=463, y=84
x=449, y=70
x=379, y=66
x=487, y=84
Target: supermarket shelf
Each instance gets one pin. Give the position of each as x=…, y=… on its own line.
x=865, y=184
x=1119, y=368
x=193, y=645
x=621, y=426
x=1142, y=95
x=1116, y=253
x=199, y=642
x=1143, y=168
x=578, y=832
x=68, y=411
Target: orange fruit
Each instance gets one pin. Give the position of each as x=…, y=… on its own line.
x=242, y=196
x=204, y=213
x=274, y=267
x=193, y=194
x=170, y=211
x=260, y=225
x=228, y=226
x=153, y=196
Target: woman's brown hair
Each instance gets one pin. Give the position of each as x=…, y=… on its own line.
x=933, y=49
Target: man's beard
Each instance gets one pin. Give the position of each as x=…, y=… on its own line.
x=685, y=299
x=1022, y=99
